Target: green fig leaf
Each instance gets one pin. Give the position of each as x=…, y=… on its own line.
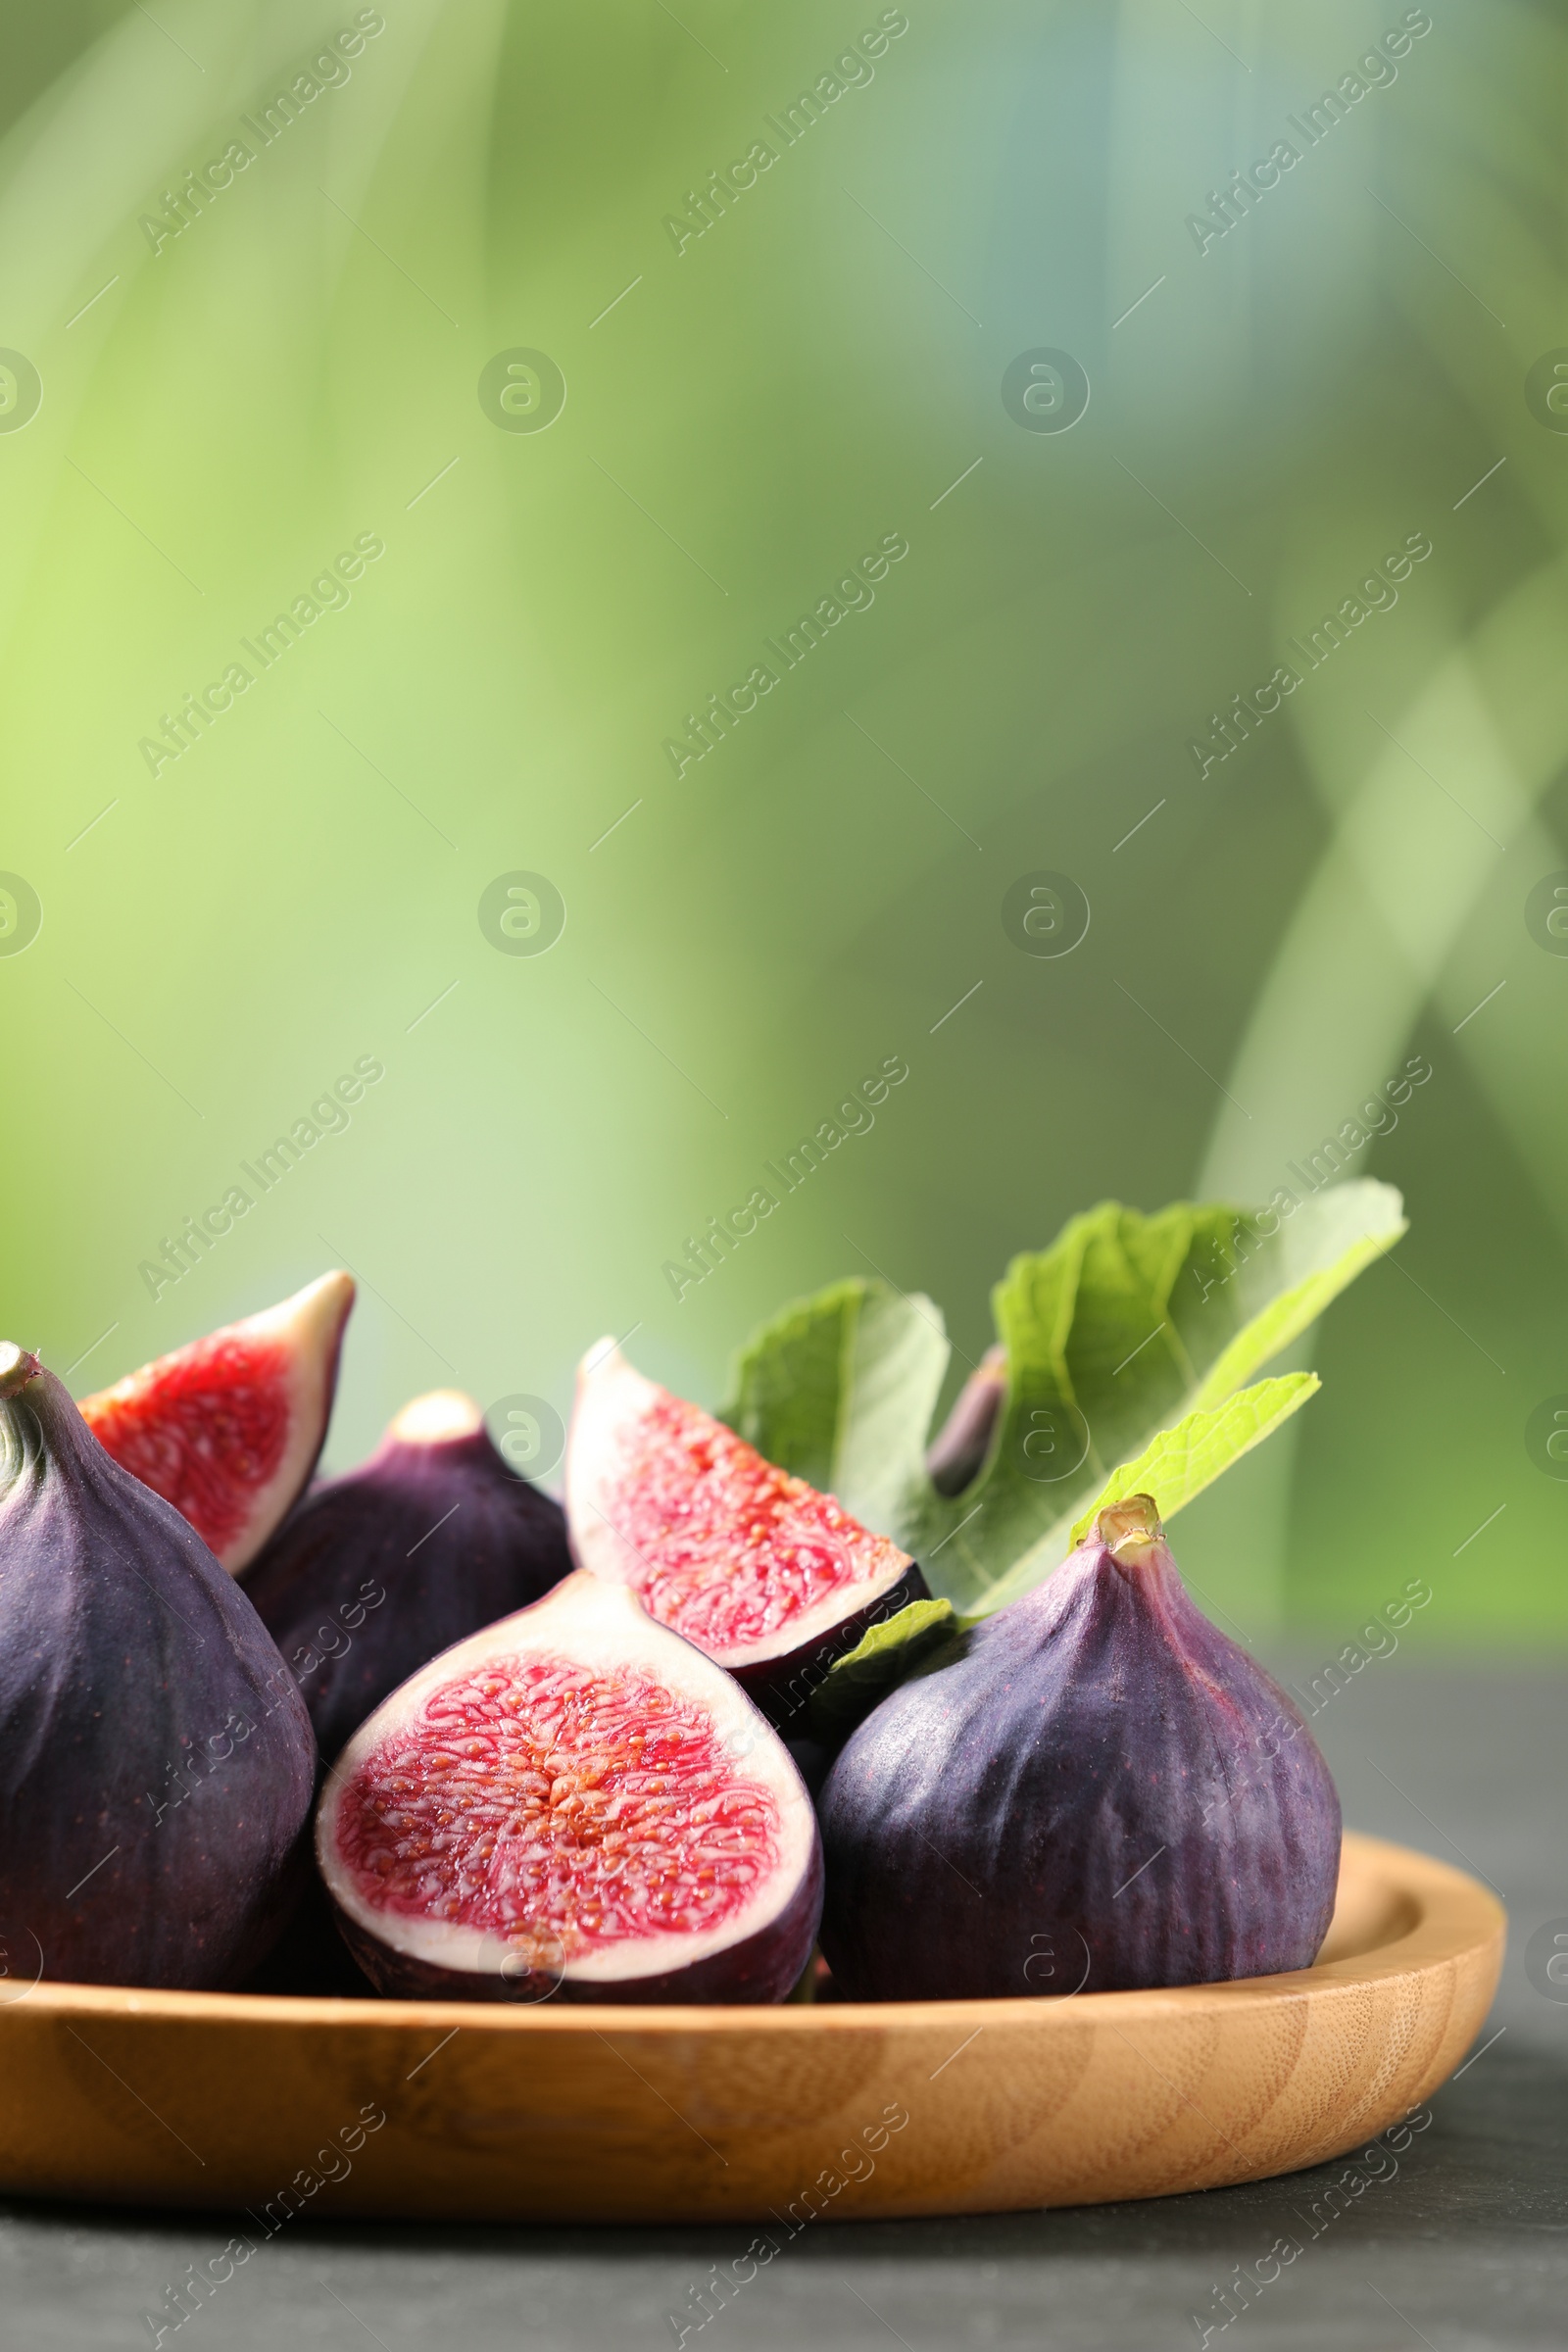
x=1184, y=1460
x=1121, y=1330
x=840, y=1389
x=885, y=1656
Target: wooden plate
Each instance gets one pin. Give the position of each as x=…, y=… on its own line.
x=662, y=2115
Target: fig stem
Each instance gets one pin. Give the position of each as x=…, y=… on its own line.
x=17, y=1368
x=1130, y=1530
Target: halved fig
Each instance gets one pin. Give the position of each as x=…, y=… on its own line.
x=230, y=1428
x=573, y=1802
x=767, y=1576
x=383, y=1568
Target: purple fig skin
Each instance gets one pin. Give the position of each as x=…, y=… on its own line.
x=157, y=1765
x=449, y=1536
x=1097, y=1791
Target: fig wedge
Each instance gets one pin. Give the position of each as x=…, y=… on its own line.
x=772, y=1580
x=230, y=1428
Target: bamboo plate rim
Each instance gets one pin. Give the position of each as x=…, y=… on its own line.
x=1446, y=1914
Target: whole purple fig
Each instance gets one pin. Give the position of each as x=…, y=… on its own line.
x=156, y=1762
x=377, y=1572
x=1093, y=1789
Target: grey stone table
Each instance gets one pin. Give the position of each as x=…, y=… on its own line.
x=1465, y=2247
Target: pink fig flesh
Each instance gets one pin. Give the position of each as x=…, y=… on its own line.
x=572, y=1804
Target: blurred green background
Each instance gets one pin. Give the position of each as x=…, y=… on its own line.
x=748, y=412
